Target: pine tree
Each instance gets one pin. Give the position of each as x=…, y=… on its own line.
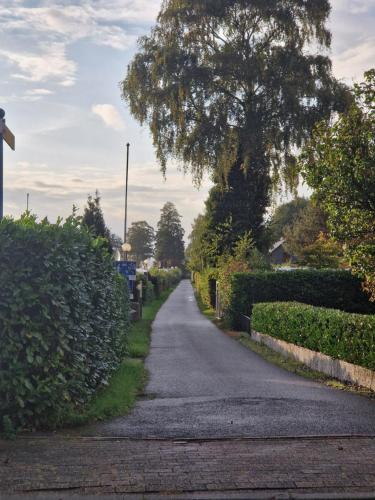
x=93, y=218
x=169, y=248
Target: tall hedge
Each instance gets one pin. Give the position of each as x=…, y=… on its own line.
x=163, y=279
x=63, y=320
x=345, y=336
x=205, y=284
x=325, y=288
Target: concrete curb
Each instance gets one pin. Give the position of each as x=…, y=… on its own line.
x=335, y=368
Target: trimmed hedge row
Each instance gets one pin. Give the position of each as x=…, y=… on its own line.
x=163, y=279
x=63, y=320
x=345, y=336
x=205, y=284
x=322, y=288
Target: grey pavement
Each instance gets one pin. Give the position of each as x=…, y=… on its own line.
x=204, y=384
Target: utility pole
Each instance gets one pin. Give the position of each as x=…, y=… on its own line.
x=27, y=202
x=7, y=136
x=126, y=192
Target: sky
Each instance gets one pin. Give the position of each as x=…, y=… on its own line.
x=61, y=63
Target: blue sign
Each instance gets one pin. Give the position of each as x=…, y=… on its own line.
x=127, y=268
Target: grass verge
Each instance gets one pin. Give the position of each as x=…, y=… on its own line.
x=128, y=382
x=287, y=363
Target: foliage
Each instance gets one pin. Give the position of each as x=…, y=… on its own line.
x=349, y=337
x=305, y=229
x=141, y=237
x=339, y=163
x=205, y=284
x=324, y=252
x=63, y=319
x=283, y=216
x=324, y=288
x=169, y=248
x=93, y=218
x=307, y=239
x=164, y=279
x=148, y=293
x=198, y=250
x=218, y=80
x=237, y=202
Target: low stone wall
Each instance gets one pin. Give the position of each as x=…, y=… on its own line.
x=341, y=370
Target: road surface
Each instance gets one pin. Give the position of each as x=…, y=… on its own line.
x=204, y=384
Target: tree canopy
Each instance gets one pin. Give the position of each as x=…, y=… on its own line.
x=141, y=237
x=283, y=216
x=339, y=163
x=221, y=79
x=169, y=247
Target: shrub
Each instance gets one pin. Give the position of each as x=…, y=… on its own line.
x=163, y=279
x=148, y=294
x=63, y=319
x=345, y=336
x=325, y=288
x=205, y=284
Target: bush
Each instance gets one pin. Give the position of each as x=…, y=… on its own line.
x=205, y=284
x=345, y=336
x=63, y=319
x=148, y=294
x=164, y=279
x=325, y=288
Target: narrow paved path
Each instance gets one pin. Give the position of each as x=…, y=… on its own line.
x=204, y=384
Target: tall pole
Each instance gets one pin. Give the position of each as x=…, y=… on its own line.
x=2, y=125
x=126, y=197
x=27, y=202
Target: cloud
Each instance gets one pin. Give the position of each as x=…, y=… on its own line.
x=47, y=64
x=110, y=116
x=35, y=36
x=53, y=193
x=359, y=59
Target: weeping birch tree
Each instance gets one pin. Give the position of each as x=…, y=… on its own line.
x=222, y=82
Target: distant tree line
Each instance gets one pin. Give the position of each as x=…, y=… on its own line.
x=166, y=245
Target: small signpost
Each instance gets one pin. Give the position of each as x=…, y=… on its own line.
x=128, y=269
x=7, y=136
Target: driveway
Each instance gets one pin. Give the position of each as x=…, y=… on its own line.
x=204, y=384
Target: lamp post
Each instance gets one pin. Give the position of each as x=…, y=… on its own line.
x=126, y=247
x=126, y=195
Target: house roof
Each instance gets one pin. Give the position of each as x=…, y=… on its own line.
x=277, y=245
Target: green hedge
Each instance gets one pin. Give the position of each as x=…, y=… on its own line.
x=148, y=293
x=63, y=320
x=345, y=336
x=164, y=279
x=205, y=284
x=322, y=288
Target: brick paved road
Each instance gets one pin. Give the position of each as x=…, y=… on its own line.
x=210, y=469
x=205, y=385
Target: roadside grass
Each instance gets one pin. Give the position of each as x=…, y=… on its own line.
x=286, y=363
x=128, y=382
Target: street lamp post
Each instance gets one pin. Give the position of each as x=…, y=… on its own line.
x=126, y=194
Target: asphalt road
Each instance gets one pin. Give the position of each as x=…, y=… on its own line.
x=204, y=384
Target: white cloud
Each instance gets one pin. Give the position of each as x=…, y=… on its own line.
x=48, y=64
x=110, y=116
x=354, y=61
x=39, y=92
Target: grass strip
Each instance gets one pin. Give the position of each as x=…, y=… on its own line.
x=128, y=382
